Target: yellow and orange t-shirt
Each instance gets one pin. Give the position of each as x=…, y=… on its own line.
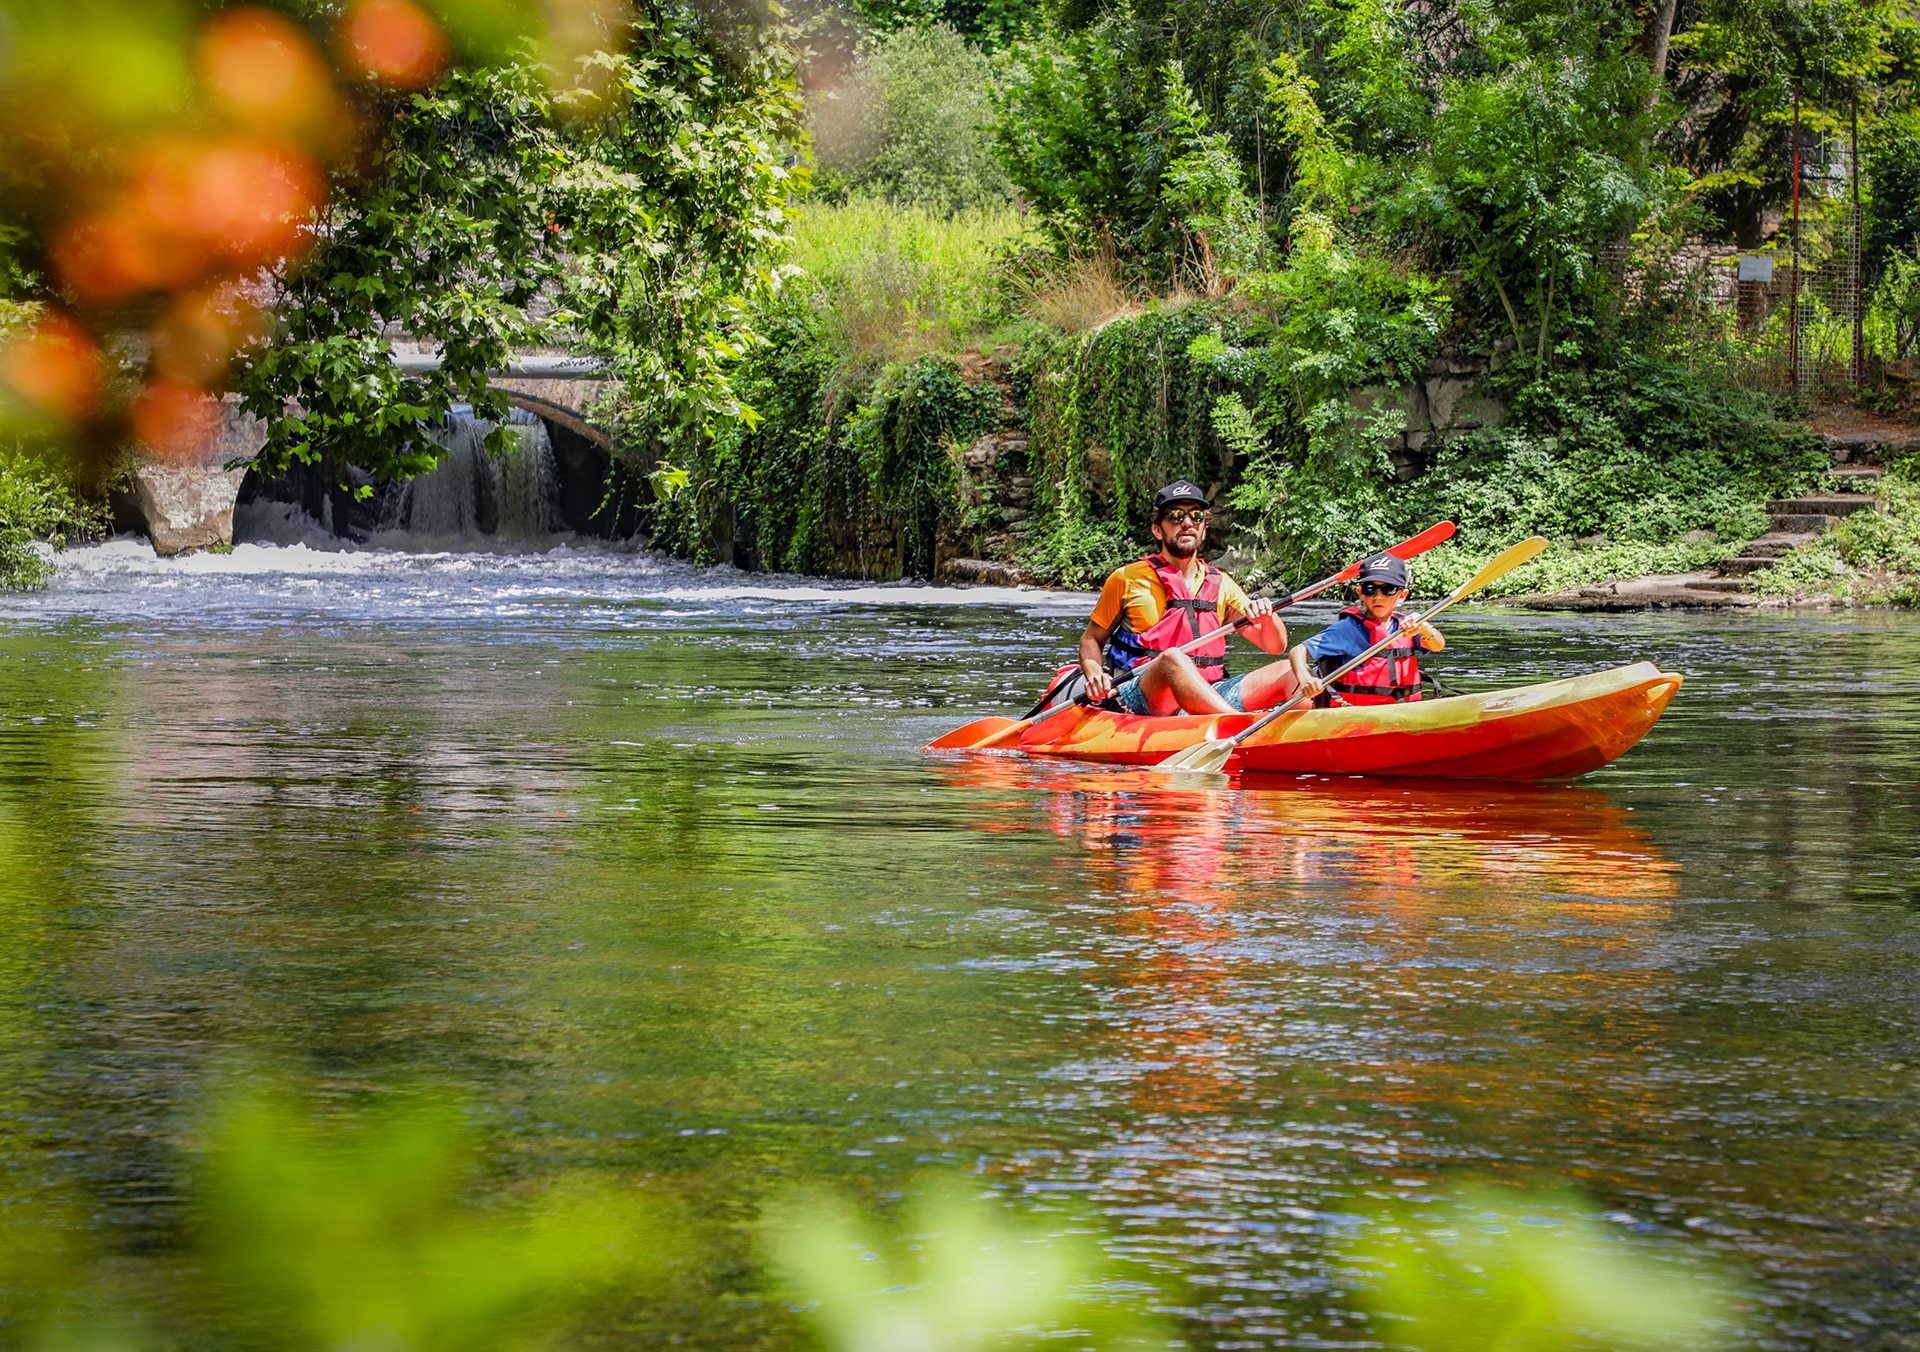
x=1136, y=592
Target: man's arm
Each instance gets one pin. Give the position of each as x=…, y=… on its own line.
x=1264, y=630
x=1093, y=660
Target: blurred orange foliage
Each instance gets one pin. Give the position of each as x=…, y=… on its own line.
x=263, y=71
x=175, y=420
x=393, y=41
x=54, y=369
x=179, y=213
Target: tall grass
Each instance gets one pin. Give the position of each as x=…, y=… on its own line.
x=896, y=282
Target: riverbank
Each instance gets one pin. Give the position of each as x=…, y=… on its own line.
x=1854, y=542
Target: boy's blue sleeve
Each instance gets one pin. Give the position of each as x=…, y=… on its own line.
x=1337, y=641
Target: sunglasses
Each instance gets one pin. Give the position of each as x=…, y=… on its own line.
x=1380, y=589
x=1199, y=516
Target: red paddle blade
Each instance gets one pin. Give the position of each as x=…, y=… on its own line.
x=973, y=734
x=1406, y=549
x=1435, y=534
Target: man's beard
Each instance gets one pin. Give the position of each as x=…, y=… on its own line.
x=1175, y=550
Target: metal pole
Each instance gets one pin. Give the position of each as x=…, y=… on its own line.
x=1859, y=255
x=1793, y=292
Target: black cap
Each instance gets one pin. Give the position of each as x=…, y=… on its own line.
x=1384, y=568
x=1178, y=491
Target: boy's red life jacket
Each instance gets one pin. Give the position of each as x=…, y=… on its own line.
x=1188, y=615
x=1391, y=676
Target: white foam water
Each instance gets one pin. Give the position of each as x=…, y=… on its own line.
x=317, y=575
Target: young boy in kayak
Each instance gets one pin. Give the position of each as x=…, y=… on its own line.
x=1156, y=604
x=1393, y=677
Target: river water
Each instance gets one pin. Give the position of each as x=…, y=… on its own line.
x=645, y=863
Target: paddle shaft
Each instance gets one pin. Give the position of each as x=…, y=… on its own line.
x=1499, y=567
x=1406, y=549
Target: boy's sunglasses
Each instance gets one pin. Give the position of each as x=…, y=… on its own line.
x=1380, y=589
x=1199, y=516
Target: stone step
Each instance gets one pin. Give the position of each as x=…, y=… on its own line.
x=1858, y=473
x=1748, y=564
x=1773, y=546
x=1722, y=584
x=1795, y=523
x=1828, y=504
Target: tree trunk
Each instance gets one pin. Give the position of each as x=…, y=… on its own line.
x=1659, y=35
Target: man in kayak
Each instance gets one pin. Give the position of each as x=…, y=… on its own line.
x=1155, y=605
x=1393, y=677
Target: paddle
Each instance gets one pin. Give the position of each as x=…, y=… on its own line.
x=1210, y=756
x=985, y=733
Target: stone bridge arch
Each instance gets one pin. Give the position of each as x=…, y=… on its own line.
x=184, y=504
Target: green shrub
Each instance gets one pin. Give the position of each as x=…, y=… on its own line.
x=1125, y=407
x=38, y=505
x=845, y=467
x=1640, y=454
x=907, y=438
x=1077, y=552
x=909, y=126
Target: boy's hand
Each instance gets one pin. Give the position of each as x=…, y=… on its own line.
x=1431, y=635
x=1313, y=686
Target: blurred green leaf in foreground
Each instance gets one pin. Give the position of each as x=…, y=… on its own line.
x=320, y=1229
x=1510, y=1271
x=957, y=1272
x=373, y=1228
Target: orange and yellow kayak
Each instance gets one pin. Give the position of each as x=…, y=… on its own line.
x=1554, y=730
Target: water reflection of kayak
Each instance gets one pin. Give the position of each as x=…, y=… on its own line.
x=1554, y=730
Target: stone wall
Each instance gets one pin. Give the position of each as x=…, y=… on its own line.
x=1446, y=403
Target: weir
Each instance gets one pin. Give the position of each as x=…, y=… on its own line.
x=547, y=482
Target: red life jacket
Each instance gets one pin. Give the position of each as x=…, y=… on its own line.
x=1389, y=677
x=1189, y=614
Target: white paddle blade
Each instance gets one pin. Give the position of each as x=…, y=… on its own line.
x=1202, y=758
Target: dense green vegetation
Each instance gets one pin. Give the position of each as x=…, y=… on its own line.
x=324, y=1228
x=1260, y=229
x=38, y=505
x=1241, y=243
x=480, y=177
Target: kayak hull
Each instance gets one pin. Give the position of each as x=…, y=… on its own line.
x=1554, y=730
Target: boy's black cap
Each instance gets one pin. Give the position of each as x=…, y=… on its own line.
x=1178, y=491
x=1384, y=568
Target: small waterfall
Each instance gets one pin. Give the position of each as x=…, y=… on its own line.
x=474, y=494
x=526, y=483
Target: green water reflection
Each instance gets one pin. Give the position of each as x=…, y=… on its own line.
x=682, y=907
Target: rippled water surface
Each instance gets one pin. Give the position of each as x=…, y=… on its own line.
x=645, y=862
